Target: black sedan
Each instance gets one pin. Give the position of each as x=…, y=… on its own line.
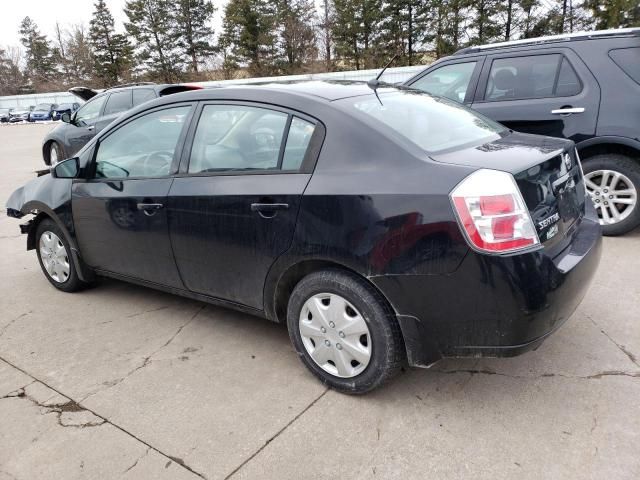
x=383, y=226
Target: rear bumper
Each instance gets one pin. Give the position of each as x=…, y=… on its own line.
x=494, y=305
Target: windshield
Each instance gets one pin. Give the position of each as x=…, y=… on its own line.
x=43, y=106
x=432, y=123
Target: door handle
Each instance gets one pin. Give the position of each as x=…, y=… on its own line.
x=567, y=110
x=268, y=210
x=150, y=209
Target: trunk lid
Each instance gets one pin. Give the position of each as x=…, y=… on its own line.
x=547, y=172
x=84, y=93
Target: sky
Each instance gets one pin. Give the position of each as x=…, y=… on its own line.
x=67, y=12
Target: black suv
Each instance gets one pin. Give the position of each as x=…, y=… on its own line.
x=100, y=109
x=582, y=86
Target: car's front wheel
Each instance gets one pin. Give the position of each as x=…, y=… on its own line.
x=54, y=255
x=344, y=331
x=613, y=182
x=55, y=153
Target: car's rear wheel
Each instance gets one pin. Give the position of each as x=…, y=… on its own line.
x=54, y=255
x=55, y=153
x=613, y=182
x=344, y=331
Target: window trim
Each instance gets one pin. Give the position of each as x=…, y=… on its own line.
x=100, y=112
x=308, y=162
x=473, y=80
x=177, y=154
x=484, y=80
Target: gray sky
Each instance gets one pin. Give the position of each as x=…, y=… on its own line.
x=67, y=12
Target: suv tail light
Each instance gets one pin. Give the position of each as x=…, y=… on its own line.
x=492, y=213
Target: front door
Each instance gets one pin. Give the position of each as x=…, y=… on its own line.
x=233, y=209
x=84, y=124
x=551, y=93
x=120, y=212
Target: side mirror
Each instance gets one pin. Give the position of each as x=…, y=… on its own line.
x=66, y=117
x=66, y=169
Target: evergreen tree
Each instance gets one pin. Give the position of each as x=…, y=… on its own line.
x=39, y=60
x=484, y=21
x=325, y=32
x=192, y=23
x=404, y=27
x=10, y=74
x=297, y=35
x=357, y=31
x=614, y=13
x=249, y=35
x=153, y=26
x=111, y=51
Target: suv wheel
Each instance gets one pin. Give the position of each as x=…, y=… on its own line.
x=344, y=331
x=55, y=153
x=613, y=182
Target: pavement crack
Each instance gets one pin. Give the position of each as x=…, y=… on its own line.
x=151, y=310
x=276, y=435
x=621, y=347
x=131, y=467
x=104, y=419
x=146, y=360
x=609, y=373
x=11, y=322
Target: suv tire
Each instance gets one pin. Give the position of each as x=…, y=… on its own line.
x=596, y=169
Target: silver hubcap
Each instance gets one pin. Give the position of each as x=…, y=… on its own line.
x=335, y=335
x=612, y=193
x=53, y=155
x=54, y=257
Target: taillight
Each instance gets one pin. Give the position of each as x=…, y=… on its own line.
x=492, y=213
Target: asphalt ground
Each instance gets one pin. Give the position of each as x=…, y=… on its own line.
x=121, y=381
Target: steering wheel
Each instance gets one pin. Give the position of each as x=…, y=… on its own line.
x=157, y=163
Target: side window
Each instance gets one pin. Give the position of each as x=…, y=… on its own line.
x=451, y=81
x=298, y=140
x=237, y=137
x=535, y=76
x=118, y=102
x=144, y=147
x=141, y=95
x=90, y=110
x=628, y=59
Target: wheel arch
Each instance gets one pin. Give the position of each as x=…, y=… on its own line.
x=609, y=144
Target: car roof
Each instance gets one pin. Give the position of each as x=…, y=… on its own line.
x=565, y=37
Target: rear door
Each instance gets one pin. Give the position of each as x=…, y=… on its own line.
x=233, y=208
x=547, y=93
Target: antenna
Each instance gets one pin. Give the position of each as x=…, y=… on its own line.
x=374, y=83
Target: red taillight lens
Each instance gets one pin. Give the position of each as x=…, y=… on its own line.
x=492, y=212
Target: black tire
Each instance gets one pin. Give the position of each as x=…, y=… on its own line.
x=630, y=168
x=72, y=283
x=54, y=145
x=387, y=347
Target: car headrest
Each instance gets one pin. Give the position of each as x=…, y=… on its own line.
x=504, y=79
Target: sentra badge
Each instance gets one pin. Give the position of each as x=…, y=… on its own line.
x=567, y=160
x=549, y=220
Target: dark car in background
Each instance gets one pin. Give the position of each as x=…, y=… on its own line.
x=5, y=114
x=581, y=86
x=382, y=227
x=64, y=108
x=42, y=111
x=100, y=109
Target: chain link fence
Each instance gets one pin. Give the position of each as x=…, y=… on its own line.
x=391, y=75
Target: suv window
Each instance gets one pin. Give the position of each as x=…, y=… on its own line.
x=144, y=147
x=451, y=81
x=237, y=137
x=118, y=102
x=628, y=59
x=90, y=110
x=531, y=77
x=141, y=95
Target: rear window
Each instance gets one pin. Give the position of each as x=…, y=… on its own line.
x=628, y=59
x=118, y=102
x=432, y=123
